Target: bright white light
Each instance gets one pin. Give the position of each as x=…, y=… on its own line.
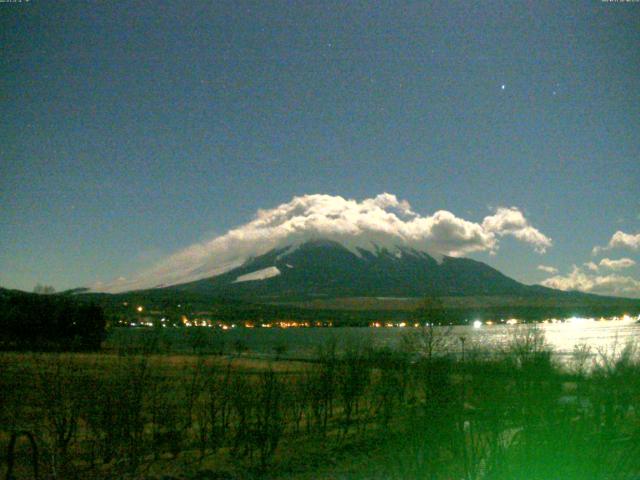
x=578, y=321
x=477, y=324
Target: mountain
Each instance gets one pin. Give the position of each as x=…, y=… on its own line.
x=324, y=268
x=349, y=285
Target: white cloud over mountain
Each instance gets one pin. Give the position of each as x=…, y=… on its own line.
x=594, y=267
x=594, y=280
x=612, y=284
x=511, y=221
x=597, y=277
x=620, y=239
x=610, y=264
x=617, y=264
x=383, y=221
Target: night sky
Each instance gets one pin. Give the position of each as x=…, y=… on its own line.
x=133, y=130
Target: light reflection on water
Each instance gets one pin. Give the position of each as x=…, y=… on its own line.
x=609, y=336
x=563, y=337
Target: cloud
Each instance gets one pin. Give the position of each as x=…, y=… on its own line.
x=617, y=264
x=610, y=264
x=545, y=268
x=612, y=284
x=620, y=239
x=511, y=221
x=383, y=221
x=592, y=266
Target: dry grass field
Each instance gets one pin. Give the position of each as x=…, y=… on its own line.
x=417, y=412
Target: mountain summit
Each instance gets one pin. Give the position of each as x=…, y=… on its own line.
x=325, y=268
x=372, y=224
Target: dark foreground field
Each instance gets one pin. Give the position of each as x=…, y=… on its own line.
x=413, y=413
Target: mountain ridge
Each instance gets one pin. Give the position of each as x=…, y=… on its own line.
x=322, y=280
x=325, y=268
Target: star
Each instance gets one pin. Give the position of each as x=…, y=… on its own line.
x=503, y=86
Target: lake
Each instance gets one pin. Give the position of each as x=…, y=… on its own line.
x=561, y=336
x=609, y=336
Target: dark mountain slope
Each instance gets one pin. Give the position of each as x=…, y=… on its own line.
x=328, y=269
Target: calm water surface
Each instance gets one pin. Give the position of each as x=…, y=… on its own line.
x=601, y=336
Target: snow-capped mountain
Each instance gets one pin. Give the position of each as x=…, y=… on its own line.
x=327, y=268
x=365, y=228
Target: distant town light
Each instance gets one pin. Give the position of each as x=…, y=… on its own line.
x=139, y=308
x=577, y=320
x=477, y=324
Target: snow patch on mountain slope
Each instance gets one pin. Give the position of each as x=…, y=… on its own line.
x=383, y=222
x=263, y=274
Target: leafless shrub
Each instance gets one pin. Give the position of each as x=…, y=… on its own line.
x=580, y=359
x=269, y=419
x=352, y=380
x=427, y=342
